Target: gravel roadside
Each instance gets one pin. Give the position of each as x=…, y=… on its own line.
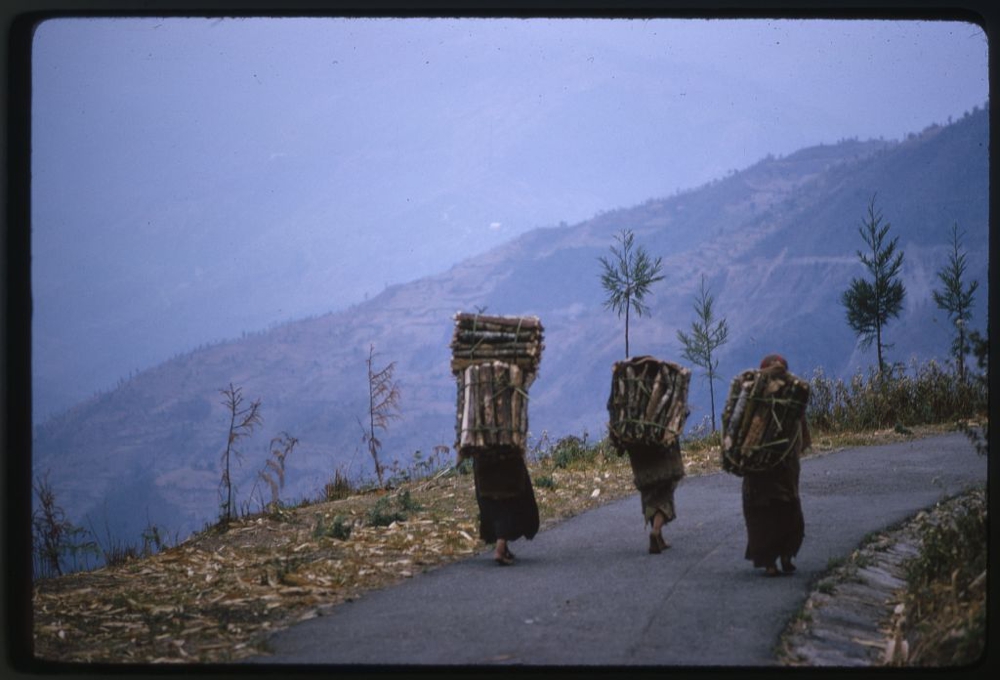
x=855, y=614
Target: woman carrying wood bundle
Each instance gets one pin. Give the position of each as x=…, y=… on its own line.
x=771, y=506
x=647, y=408
x=506, y=499
x=494, y=359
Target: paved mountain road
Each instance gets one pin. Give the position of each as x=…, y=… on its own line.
x=586, y=592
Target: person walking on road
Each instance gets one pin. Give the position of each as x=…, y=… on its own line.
x=771, y=505
x=647, y=408
x=506, y=499
x=656, y=471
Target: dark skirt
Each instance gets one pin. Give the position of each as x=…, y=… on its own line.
x=507, y=507
x=773, y=513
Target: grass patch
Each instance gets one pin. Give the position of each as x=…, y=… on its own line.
x=381, y=514
x=340, y=529
x=946, y=592
x=545, y=482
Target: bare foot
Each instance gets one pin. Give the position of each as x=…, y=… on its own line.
x=502, y=554
x=657, y=544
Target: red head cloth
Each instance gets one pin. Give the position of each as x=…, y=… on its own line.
x=772, y=359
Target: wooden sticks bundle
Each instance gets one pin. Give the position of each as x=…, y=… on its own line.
x=512, y=339
x=759, y=419
x=648, y=402
x=492, y=407
x=494, y=360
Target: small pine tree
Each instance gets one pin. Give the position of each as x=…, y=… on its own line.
x=956, y=300
x=628, y=278
x=870, y=304
x=707, y=335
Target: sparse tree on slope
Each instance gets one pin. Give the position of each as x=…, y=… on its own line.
x=383, y=406
x=627, y=279
x=242, y=420
x=956, y=300
x=870, y=304
x=273, y=472
x=707, y=335
x=53, y=534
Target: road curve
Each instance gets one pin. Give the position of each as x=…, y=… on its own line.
x=586, y=592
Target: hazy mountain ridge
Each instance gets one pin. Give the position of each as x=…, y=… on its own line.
x=781, y=234
x=280, y=205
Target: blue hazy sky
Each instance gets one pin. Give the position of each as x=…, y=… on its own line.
x=193, y=179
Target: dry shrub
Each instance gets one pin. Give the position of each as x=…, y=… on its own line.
x=929, y=395
x=946, y=593
x=339, y=487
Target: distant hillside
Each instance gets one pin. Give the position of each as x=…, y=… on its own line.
x=775, y=242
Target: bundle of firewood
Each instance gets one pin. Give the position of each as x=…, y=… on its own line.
x=494, y=360
x=648, y=402
x=492, y=407
x=511, y=339
x=759, y=419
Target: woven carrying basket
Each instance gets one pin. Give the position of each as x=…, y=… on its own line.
x=648, y=402
x=760, y=421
